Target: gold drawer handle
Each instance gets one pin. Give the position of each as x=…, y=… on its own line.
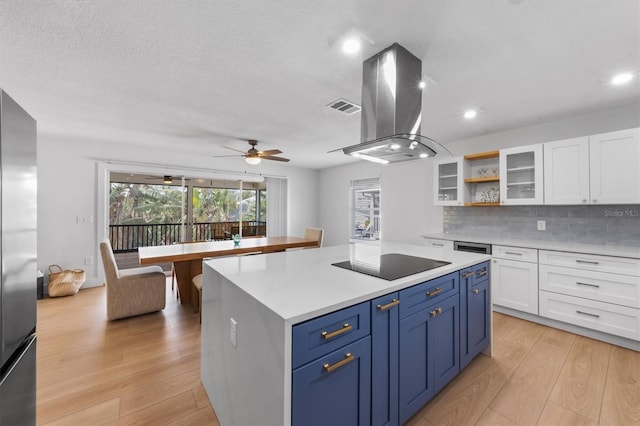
x=346, y=327
x=476, y=291
x=468, y=274
x=435, y=292
x=389, y=305
x=347, y=359
x=435, y=312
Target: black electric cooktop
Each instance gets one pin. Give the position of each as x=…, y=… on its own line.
x=393, y=266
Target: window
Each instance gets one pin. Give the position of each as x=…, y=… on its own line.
x=365, y=209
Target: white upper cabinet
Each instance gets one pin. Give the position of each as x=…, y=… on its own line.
x=566, y=171
x=598, y=169
x=448, y=177
x=614, y=160
x=521, y=175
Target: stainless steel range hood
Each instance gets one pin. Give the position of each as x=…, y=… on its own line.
x=392, y=110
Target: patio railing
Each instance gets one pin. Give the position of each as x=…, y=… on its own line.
x=127, y=238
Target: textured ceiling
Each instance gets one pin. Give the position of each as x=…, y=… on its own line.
x=194, y=75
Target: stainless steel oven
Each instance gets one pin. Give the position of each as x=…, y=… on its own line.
x=472, y=247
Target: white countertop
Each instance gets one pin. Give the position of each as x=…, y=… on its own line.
x=302, y=284
x=622, y=251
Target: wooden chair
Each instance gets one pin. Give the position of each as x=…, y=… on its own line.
x=133, y=291
x=196, y=300
x=314, y=234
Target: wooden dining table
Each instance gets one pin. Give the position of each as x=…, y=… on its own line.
x=187, y=257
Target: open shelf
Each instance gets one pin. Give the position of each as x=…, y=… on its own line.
x=482, y=155
x=482, y=179
x=480, y=204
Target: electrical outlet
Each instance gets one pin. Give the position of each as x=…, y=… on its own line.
x=88, y=260
x=542, y=225
x=233, y=332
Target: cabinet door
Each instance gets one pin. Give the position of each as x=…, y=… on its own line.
x=615, y=167
x=334, y=389
x=475, y=311
x=429, y=353
x=445, y=342
x=384, y=360
x=416, y=363
x=566, y=171
x=521, y=175
x=478, y=317
x=448, y=182
x=515, y=285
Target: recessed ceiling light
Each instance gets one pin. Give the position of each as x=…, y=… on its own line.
x=622, y=78
x=422, y=85
x=469, y=114
x=424, y=155
x=351, y=45
x=395, y=146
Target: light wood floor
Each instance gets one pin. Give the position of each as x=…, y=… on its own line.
x=145, y=370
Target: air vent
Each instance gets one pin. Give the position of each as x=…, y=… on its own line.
x=344, y=106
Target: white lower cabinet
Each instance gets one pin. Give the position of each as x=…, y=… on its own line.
x=514, y=283
x=611, y=288
x=597, y=292
x=605, y=317
x=441, y=244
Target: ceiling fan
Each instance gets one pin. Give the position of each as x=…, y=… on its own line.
x=253, y=156
x=167, y=179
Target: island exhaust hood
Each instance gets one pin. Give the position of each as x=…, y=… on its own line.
x=392, y=110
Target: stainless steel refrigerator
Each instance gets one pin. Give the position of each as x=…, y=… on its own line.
x=18, y=260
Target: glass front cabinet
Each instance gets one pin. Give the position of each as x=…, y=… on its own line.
x=521, y=175
x=449, y=181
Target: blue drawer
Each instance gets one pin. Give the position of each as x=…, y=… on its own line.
x=481, y=273
x=319, y=336
x=418, y=297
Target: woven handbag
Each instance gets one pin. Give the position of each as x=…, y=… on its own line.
x=65, y=282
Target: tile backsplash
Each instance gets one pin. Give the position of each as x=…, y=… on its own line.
x=604, y=225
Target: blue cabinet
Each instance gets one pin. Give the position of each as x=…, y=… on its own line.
x=429, y=354
x=384, y=360
x=331, y=379
x=381, y=361
x=334, y=389
x=429, y=342
x=446, y=343
x=475, y=311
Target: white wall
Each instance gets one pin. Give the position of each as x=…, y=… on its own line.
x=68, y=179
x=407, y=188
x=625, y=117
x=406, y=210
x=68, y=176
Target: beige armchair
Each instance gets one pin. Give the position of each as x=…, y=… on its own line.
x=132, y=291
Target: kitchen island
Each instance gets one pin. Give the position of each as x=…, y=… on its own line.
x=263, y=328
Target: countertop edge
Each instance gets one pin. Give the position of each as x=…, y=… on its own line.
x=301, y=285
x=297, y=319
x=618, y=251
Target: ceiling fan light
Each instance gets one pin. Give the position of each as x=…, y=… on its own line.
x=253, y=160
